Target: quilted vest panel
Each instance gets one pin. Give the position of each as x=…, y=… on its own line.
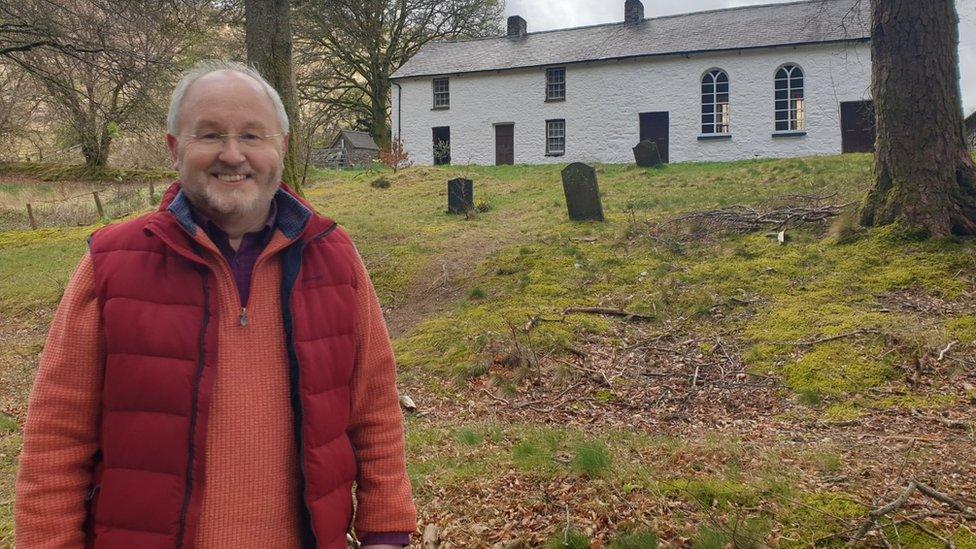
x=158, y=301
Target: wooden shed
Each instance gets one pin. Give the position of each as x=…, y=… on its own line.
x=350, y=148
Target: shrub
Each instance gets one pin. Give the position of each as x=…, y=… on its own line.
x=483, y=206
x=380, y=183
x=395, y=156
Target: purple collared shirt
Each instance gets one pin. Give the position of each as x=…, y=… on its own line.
x=241, y=267
x=242, y=261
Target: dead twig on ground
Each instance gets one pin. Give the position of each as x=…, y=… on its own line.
x=605, y=311
x=871, y=523
x=946, y=349
x=855, y=333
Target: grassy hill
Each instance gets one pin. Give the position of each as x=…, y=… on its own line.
x=759, y=394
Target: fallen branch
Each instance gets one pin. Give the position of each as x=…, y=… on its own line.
x=873, y=515
x=946, y=350
x=939, y=496
x=744, y=219
x=855, y=333
x=607, y=312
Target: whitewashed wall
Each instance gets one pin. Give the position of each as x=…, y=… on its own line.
x=603, y=100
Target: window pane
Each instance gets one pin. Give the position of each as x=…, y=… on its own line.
x=708, y=88
x=722, y=88
x=707, y=129
x=722, y=98
x=780, y=95
x=782, y=126
x=722, y=77
x=709, y=108
x=708, y=118
x=781, y=84
x=781, y=115
x=781, y=73
x=796, y=94
x=796, y=82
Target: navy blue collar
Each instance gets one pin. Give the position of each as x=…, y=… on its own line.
x=291, y=216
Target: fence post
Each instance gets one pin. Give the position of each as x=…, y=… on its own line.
x=98, y=205
x=30, y=217
x=152, y=191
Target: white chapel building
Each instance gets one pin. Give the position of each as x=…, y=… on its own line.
x=777, y=80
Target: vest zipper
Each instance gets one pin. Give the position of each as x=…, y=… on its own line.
x=180, y=537
x=243, y=317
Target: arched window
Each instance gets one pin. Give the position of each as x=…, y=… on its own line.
x=715, y=102
x=789, y=99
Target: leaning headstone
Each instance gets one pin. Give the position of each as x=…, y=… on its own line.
x=582, y=193
x=646, y=154
x=460, y=196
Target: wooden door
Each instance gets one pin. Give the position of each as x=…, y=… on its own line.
x=655, y=126
x=504, y=144
x=857, y=126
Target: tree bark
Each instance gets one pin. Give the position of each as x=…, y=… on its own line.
x=924, y=174
x=267, y=35
x=379, y=108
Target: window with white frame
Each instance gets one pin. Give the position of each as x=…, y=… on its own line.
x=715, y=102
x=789, y=99
x=556, y=84
x=442, y=93
x=555, y=137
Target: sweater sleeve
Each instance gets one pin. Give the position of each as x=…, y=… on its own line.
x=383, y=493
x=61, y=433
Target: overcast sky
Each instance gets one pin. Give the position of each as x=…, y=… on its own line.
x=556, y=14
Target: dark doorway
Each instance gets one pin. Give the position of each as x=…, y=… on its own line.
x=857, y=126
x=654, y=126
x=504, y=144
x=442, y=145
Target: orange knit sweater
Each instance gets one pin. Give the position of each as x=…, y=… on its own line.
x=250, y=499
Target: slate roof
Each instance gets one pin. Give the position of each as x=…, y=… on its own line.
x=805, y=22
x=359, y=140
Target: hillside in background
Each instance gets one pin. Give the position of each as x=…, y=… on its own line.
x=675, y=373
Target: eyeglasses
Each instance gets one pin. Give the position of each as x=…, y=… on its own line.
x=245, y=140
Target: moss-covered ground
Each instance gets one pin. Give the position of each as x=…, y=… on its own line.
x=842, y=328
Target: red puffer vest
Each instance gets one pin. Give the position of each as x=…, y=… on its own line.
x=159, y=305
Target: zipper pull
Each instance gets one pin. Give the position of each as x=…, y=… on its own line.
x=243, y=317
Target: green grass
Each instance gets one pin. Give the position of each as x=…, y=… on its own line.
x=568, y=539
x=590, y=459
x=72, y=172
x=522, y=258
x=635, y=540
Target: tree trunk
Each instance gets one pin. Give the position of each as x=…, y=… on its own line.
x=380, y=123
x=95, y=143
x=267, y=35
x=924, y=174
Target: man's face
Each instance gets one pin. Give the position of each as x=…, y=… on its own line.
x=232, y=179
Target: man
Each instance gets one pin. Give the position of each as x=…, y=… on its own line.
x=218, y=373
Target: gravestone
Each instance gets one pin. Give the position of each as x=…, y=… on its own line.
x=582, y=193
x=460, y=196
x=646, y=154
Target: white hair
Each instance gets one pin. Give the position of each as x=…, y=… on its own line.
x=209, y=66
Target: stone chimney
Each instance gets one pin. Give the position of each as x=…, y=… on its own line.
x=516, y=27
x=633, y=11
